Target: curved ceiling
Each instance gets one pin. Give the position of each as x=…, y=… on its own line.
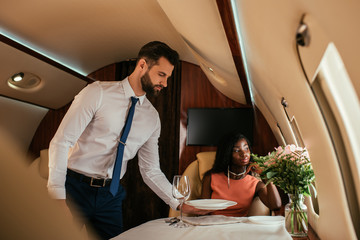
x=86, y=36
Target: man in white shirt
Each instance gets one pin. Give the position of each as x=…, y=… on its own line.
x=83, y=151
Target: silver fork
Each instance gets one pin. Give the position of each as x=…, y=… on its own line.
x=172, y=221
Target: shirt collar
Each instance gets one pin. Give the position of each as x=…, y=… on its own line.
x=129, y=92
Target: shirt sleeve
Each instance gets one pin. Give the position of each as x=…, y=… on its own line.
x=73, y=124
x=151, y=173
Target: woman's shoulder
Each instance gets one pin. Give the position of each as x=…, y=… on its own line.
x=218, y=176
x=216, y=173
x=252, y=178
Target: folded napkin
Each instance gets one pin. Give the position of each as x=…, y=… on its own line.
x=213, y=220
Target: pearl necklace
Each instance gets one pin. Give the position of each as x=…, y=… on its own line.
x=237, y=175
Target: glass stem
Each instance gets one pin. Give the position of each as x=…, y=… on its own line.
x=181, y=211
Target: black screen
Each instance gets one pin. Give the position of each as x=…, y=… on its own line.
x=206, y=126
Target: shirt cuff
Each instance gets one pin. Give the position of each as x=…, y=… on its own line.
x=57, y=193
x=174, y=203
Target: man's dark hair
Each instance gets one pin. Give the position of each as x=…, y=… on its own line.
x=152, y=51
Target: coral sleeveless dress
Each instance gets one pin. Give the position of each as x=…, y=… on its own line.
x=241, y=191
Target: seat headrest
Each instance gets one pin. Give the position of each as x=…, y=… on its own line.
x=206, y=161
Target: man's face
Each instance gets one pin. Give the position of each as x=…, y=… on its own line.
x=156, y=77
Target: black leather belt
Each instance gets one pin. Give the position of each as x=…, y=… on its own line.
x=93, y=182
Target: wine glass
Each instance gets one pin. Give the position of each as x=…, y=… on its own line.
x=181, y=191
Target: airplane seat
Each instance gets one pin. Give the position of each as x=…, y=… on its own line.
x=196, y=170
x=40, y=166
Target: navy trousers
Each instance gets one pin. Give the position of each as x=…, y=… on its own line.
x=96, y=207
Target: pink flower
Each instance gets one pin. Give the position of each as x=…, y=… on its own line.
x=290, y=149
x=279, y=151
x=287, y=149
x=292, y=153
x=299, y=149
x=293, y=148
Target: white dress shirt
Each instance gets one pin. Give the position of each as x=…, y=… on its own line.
x=87, y=138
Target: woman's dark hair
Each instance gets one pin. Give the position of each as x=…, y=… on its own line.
x=152, y=51
x=224, y=151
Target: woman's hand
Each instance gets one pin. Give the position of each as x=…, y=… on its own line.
x=269, y=195
x=195, y=211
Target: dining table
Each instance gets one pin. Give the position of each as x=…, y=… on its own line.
x=210, y=227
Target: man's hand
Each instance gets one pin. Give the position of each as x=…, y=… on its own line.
x=195, y=211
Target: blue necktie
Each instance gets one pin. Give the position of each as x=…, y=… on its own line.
x=120, y=153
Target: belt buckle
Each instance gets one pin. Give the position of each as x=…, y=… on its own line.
x=96, y=185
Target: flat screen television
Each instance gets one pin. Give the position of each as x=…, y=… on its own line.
x=206, y=126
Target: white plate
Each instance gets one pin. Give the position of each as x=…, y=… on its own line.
x=266, y=219
x=211, y=204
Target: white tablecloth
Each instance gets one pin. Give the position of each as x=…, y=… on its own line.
x=240, y=228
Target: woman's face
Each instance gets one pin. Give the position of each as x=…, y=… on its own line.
x=241, y=153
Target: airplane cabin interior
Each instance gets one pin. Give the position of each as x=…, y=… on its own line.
x=287, y=72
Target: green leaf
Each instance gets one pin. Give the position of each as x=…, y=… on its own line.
x=270, y=174
x=307, y=194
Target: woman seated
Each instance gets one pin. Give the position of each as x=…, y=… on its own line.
x=230, y=178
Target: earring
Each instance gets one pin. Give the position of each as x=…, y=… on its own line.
x=228, y=177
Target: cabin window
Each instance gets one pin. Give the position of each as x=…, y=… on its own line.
x=340, y=108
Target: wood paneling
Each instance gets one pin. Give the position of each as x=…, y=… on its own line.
x=107, y=73
x=264, y=139
x=228, y=21
x=198, y=92
x=46, y=131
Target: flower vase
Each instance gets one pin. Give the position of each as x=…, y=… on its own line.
x=296, y=220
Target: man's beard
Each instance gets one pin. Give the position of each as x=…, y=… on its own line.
x=148, y=87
